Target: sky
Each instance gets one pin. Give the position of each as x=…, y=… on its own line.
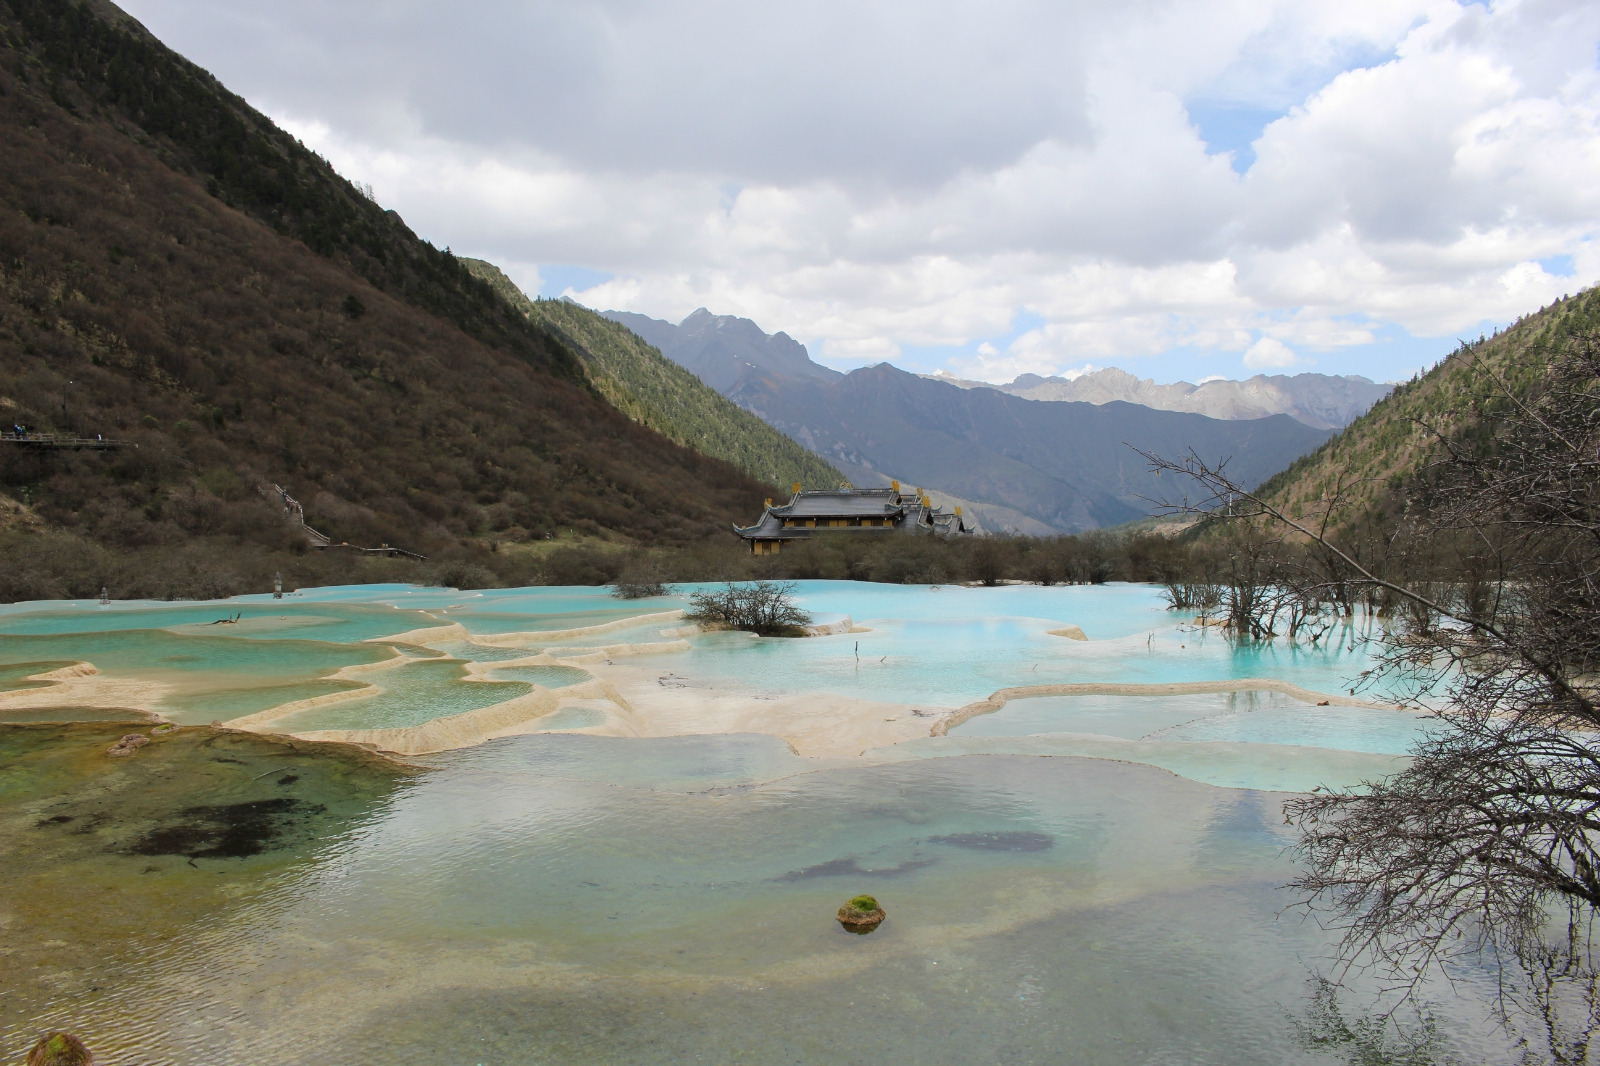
x=1183, y=190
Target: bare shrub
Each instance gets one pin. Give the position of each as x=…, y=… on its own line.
x=765, y=608
x=457, y=574
x=639, y=580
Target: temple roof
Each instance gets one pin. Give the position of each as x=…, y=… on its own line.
x=905, y=508
x=844, y=503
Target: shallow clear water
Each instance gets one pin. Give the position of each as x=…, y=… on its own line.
x=1383, y=731
x=548, y=676
x=1086, y=879
x=408, y=695
x=951, y=661
x=573, y=717
x=148, y=651
x=273, y=619
x=34, y=715
x=15, y=675
x=480, y=653
x=575, y=899
x=1238, y=717
x=214, y=705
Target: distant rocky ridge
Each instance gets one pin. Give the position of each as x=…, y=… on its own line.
x=723, y=351
x=1032, y=465
x=1320, y=400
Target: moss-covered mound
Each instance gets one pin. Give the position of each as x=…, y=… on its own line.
x=861, y=915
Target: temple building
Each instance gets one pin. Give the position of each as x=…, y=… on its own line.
x=865, y=512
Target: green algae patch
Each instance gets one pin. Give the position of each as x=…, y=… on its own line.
x=59, y=1049
x=46, y=715
x=195, y=793
x=112, y=862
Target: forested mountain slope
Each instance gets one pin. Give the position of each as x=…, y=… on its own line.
x=653, y=390
x=1371, y=464
x=93, y=60
x=176, y=272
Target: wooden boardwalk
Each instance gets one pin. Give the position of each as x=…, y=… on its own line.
x=295, y=515
x=57, y=442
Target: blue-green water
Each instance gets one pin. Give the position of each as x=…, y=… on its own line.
x=548, y=676
x=940, y=646
x=1089, y=879
x=407, y=695
x=17, y=675
x=931, y=647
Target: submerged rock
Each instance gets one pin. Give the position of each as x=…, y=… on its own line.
x=60, y=1049
x=998, y=841
x=129, y=744
x=861, y=915
x=164, y=729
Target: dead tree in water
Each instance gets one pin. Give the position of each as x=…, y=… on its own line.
x=1488, y=844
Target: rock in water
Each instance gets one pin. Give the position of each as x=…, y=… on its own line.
x=861, y=915
x=127, y=745
x=60, y=1049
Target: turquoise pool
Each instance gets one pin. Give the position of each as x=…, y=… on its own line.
x=938, y=647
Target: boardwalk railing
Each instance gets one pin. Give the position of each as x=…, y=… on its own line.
x=61, y=443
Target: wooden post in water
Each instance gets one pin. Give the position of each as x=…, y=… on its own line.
x=277, y=585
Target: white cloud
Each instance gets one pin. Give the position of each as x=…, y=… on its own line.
x=892, y=175
x=1270, y=352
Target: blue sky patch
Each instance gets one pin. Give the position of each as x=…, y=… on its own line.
x=1232, y=128
x=1559, y=266
x=557, y=278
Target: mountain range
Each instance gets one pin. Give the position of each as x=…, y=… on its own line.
x=1320, y=400
x=724, y=351
x=1029, y=465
